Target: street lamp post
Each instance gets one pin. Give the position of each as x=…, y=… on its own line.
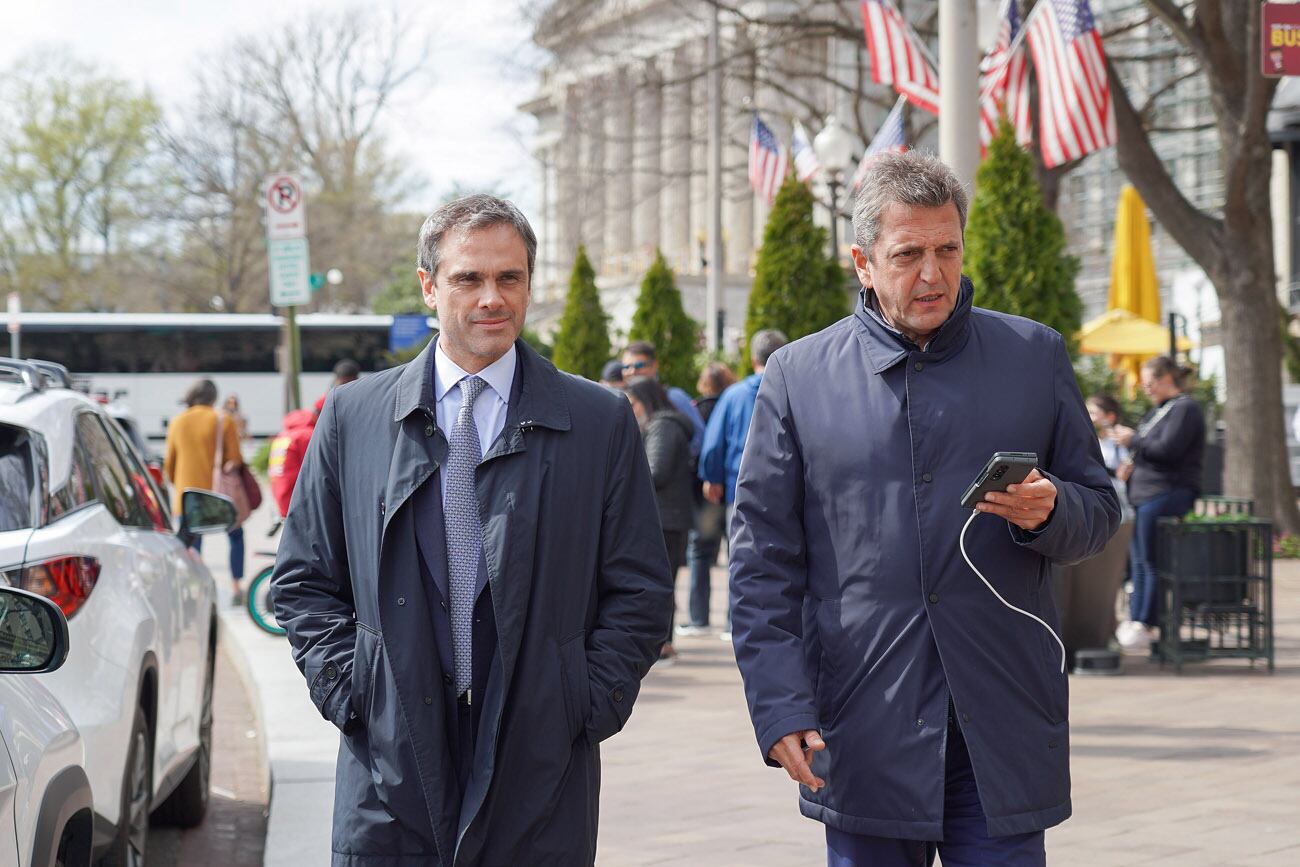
x=834, y=148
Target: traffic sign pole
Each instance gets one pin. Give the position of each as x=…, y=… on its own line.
x=289, y=268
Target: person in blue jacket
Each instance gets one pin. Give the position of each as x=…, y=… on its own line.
x=918, y=710
x=724, y=435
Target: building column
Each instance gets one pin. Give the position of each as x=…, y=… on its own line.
x=699, y=155
x=618, y=184
x=675, y=216
x=738, y=195
x=591, y=171
x=568, y=198
x=647, y=177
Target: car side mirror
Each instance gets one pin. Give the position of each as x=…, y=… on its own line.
x=33, y=633
x=203, y=512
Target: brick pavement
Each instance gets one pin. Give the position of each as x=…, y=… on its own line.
x=1198, y=769
x=234, y=832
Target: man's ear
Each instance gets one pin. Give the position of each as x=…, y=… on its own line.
x=427, y=288
x=862, y=266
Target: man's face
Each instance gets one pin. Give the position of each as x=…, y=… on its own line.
x=915, y=267
x=480, y=293
x=635, y=364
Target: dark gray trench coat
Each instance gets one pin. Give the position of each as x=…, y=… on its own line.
x=581, y=592
x=854, y=612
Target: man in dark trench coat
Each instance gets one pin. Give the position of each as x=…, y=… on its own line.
x=473, y=576
x=916, y=710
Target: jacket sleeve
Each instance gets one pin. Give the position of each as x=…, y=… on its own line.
x=312, y=584
x=1169, y=441
x=713, y=456
x=634, y=588
x=169, y=454
x=769, y=572
x=1087, y=509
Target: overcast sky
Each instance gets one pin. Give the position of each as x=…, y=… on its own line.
x=481, y=63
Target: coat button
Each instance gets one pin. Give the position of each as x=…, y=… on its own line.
x=428, y=700
x=401, y=600
x=965, y=717
x=331, y=672
x=920, y=722
x=443, y=603
x=918, y=367
x=926, y=477
x=446, y=678
x=934, y=597
x=428, y=430
x=617, y=694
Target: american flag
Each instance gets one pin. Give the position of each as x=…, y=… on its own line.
x=767, y=161
x=805, y=158
x=1075, y=114
x=897, y=56
x=889, y=138
x=1004, y=81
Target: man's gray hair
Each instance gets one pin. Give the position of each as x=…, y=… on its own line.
x=910, y=178
x=479, y=211
x=764, y=343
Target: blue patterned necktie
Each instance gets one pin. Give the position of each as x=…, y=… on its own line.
x=464, y=533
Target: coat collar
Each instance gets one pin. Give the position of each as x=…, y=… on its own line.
x=538, y=386
x=886, y=347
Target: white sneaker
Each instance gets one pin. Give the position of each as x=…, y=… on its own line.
x=725, y=636
x=1124, y=630
x=687, y=630
x=1138, y=639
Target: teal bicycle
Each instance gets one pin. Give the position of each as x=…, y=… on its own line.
x=258, y=599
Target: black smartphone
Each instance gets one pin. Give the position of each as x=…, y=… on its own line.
x=1003, y=470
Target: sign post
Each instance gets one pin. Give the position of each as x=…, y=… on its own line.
x=15, y=324
x=289, y=267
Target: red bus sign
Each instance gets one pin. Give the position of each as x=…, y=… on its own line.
x=1280, y=53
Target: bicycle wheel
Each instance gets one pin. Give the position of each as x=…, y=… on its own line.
x=259, y=602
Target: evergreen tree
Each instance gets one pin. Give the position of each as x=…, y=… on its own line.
x=1015, y=246
x=582, y=343
x=660, y=319
x=797, y=287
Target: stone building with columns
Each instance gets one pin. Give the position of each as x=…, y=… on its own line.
x=621, y=146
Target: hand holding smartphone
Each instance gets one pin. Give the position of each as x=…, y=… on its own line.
x=1002, y=470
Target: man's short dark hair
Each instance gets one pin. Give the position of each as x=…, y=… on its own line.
x=642, y=347
x=468, y=214
x=346, y=370
x=763, y=344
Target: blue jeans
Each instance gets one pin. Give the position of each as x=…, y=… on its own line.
x=701, y=553
x=966, y=841
x=1144, y=604
x=236, y=538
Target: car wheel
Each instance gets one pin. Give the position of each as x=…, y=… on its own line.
x=188, y=803
x=128, y=848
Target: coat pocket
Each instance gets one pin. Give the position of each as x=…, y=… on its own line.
x=576, y=683
x=364, y=660
x=826, y=625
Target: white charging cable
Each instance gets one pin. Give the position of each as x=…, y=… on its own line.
x=1034, y=617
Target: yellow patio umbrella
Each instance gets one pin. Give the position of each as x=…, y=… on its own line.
x=1133, y=286
x=1120, y=332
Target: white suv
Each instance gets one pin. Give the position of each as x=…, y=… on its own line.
x=45, y=808
x=83, y=523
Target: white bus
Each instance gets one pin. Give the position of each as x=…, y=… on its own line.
x=148, y=361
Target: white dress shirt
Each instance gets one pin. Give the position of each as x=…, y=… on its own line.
x=489, y=409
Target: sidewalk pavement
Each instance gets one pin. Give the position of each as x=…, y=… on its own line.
x=1194, y=770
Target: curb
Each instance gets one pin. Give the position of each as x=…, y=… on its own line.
x=238, y=659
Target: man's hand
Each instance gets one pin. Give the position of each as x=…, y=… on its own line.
x=794, y=753
x=713, y=492
x=1027, y=505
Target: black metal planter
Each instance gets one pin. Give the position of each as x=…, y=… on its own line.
x=1216, y=590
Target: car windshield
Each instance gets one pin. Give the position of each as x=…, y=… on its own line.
x=15, y=479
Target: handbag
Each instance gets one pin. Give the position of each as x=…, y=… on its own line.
x=229, y=484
